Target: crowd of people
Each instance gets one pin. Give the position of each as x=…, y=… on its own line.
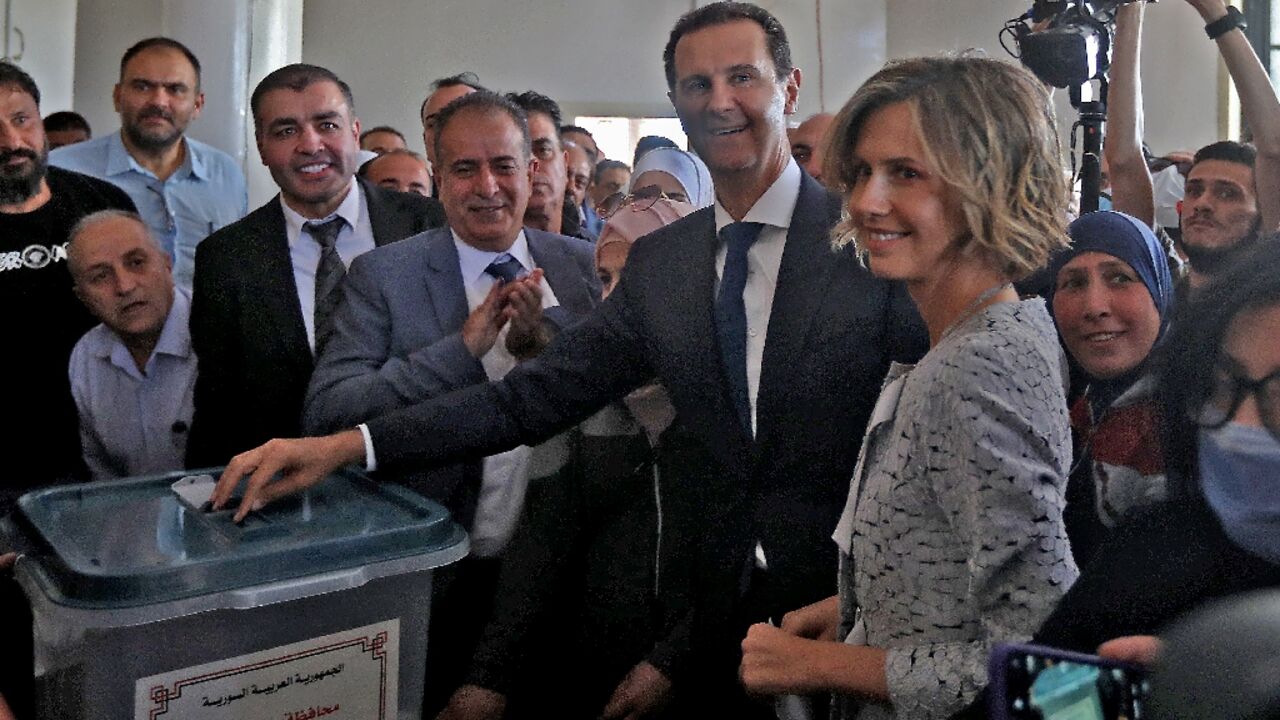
x=806, y=419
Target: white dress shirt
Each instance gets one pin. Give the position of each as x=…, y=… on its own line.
x=355, y=238
x=774, y=210
x=506, y=475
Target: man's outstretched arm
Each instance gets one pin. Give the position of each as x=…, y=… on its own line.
x=584, y=368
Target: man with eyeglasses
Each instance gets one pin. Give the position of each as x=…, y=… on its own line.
x=550, y=209
x=183, y=188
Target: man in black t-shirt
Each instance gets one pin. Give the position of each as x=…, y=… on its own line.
x=42, y=317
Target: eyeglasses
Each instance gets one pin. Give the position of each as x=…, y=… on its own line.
x=1228, y=392
x=638, y=200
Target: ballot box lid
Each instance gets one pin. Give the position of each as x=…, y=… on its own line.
x=135, y=542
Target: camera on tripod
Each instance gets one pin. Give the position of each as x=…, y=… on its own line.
x=1066, y=43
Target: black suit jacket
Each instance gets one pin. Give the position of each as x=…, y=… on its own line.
x=247, y=328
x=832, y=331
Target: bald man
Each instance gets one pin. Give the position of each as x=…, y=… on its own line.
x=809, y=143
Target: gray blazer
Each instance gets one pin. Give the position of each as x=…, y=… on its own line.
x=957, y=535
x=397, y=335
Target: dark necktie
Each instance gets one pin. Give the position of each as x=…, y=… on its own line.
x=329, y=274
x=731, y=313
x=505, y=268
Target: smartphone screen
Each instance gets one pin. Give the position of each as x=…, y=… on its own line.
x=1047, y=686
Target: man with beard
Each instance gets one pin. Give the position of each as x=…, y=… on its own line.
x=183, y=188
x=266, y=286
x=549, y=209
x=43, y=319
x=1220, y=212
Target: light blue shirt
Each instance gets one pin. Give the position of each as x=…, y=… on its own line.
x=135, y=422
x=205, y=194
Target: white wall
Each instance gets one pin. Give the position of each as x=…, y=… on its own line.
x=48, y=28
x=104, y=30
x=389, y=50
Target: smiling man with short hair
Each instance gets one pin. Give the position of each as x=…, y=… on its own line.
x=266, y=286
x=446, y=309
x=772, y=359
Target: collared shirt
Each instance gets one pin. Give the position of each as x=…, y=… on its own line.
x=204, y=194
x=506, y=475
x=764, y=259
x=355, y=239
x=134, y=422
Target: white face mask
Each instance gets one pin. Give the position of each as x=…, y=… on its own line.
x=1168, y=187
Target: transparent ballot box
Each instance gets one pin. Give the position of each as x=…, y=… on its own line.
x=147, y=605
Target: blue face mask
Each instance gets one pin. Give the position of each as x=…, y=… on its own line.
x=1240, y=477
x=1104, y=202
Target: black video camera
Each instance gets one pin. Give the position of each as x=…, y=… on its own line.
x=1066, y=43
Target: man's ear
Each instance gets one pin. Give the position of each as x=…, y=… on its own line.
x=792, y=91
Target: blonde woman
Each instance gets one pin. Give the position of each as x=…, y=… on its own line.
x=952, y=537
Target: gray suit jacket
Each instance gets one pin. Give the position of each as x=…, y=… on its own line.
x=397, y=337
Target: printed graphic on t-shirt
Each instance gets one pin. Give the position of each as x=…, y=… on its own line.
x=33, y=257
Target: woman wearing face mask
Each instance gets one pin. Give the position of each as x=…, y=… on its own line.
x=575, y=609
x=952, y=536
x=1219, y=389
x=1111, y=298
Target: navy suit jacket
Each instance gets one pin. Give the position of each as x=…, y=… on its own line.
x=254, y=360
x=833, y=330
x=398, y=338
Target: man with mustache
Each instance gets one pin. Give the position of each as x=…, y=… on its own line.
x=43, y=320
x=38, y=207
x=266, y=286
x=549, y=210
x=183, y=188
x=447, y=309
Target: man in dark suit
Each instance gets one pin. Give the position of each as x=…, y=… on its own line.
x=265, y=285
x=446, y=309
x=771, y=345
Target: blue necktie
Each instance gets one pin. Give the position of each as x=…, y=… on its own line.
x=505, y=268
x=731, y=313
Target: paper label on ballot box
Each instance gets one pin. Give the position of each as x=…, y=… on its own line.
x=349, y=674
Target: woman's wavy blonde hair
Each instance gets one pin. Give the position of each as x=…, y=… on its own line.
x=988, y=131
